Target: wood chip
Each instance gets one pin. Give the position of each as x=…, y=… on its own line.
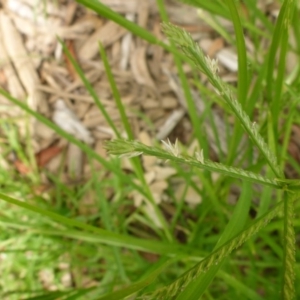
x=148, y=161
x=69, y=122
x=126, y=45
x=140, y=69
x=150, y=103
x=144, y=74
x=169, y=102
x=170, y=124
x=23, y=64
x=228, y=58
x=163, y=173
x=13, y=82
x=75, y=162
x=215, y=46
x=47, y=154
x=121, y=6
x=157, y=188
x=192, y=197
x=62, y=94
x=106, y=34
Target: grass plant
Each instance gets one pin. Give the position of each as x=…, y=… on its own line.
x=245, y=250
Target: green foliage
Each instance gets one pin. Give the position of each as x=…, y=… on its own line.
x=37, y=236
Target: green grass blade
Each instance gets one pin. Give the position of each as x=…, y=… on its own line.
x=79, y=294
x=236, y=224
x=135, y=162
x=127, y=291
x=95, y=234
x=279, y=82
x=284, y=20
x=106, y=217
x=288, y=289
x=241, y=288
x=209, y=67
x=125, y=147
x=279, y=40
x=242, y=88
x=116, y=93
x=218, y=8
x=241, y=51
x=266, y=197
x=68, y=295
x=50, y=295
x=209, y=262
x=192, y=110
x=258, y=14
x=287, y=129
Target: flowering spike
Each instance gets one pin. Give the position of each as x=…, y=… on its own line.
x=200, y=156
x=132, y=154
x=173, y=149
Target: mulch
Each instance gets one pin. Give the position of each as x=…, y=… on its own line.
x=35, y=69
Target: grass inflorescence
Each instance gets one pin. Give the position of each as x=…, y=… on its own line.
x=218, y=248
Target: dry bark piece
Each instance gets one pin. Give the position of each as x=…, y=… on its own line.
x=69, y=122
x=215, y=46
x=155, y=114
x=140, y=69
x=80, y=29
x=150, y=103
x=169, y=102
x=155, y=63
x=182, y=14
x=92, y=121
x=39, y=22
x=157, y=188
x=70, y=12
x=72, y=71
x=81, y=109
x=13, y=82
x=148, y=161
x=163, y=173
x=45, y=155
x=115, y=53
x=107, y=130
x=191, y=197
x=106, y=34
x=171, y=122
x=75, y=162
x=143, y=14
x=120, y=6
x=126, y=44
x=92, y=76
x=42, y=158
x=23, y=64
x=156, y=52
x=228, y=58
x=58, y=92
x=21, y=167
x=52, y=82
